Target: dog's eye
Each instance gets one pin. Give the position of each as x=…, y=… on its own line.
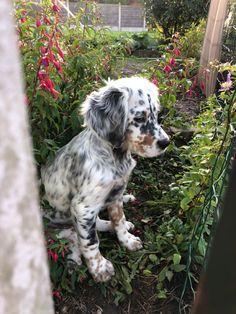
x=140, y=119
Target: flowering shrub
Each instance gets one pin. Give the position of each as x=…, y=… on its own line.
x=174, y=75
x=61, y=64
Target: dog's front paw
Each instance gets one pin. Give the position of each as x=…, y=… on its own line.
x=101, y=269
x=131, y=242
x=128, y=198
x=129, y=225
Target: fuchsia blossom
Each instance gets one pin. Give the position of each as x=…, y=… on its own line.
x=53, y=255
x=56, y=294
x=60, y=51
x=176, y=51
x=38, y=22
x=167, y=68
x=46, y=20
x=57, y=66
x=225, y=86
x=154, y=81
x=55, y=7
x=172, y=62
x=202, y=86
x=44, y=60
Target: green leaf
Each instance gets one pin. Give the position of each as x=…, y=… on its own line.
x=162, y=274
x=147, y=272
x=176, y=259
x=162, y=294
x=169, y=275
x=154, y=259
x=178, y=268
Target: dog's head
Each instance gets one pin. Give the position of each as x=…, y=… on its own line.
x=124, y=112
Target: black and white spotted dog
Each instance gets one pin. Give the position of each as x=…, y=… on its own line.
x=91, y=172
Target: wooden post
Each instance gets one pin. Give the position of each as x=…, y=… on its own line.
x=24, y=276
x=211, y=50
x=119, y=16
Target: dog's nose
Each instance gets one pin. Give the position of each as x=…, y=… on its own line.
x=163, y=143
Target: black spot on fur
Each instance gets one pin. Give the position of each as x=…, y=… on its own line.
x=140, y=92
x=115, y=193
x=141, y=102
x=148, y=128
x=92, y=236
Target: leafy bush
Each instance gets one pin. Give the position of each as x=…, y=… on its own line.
x=192, y=41
x=61, y=64
x=176, y=16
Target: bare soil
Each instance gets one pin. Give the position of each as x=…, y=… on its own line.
x=89, y=300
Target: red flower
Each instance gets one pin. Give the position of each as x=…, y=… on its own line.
x=54, y=93
x=23, y=20
x=55, y=7
x=176, y=51
x=56, y=293
x=43, y=50
x=38, y=22
x=167, y=68
x=60, y=51
x=189, y=92
x=172, y=62
x=57, y=66
x=154, y=81
x=53, y=255
x=46, y=20
x=202, y=86
x=44, y=60
x=49, y=84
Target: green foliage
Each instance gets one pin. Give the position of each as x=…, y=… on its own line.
x=191, y=42
x=144, y=41
x=176, y=16
x=62, y=64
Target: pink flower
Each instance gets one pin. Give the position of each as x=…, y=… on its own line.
x=46, y=20
x=57, y=66
x=189, y=92
x=56, y=294
x=60, y=51
x=226, y=85
x=23, y=20
x=176, y=51
x=54, y=93
x=44, y=60
x=43, y=50
x=38, y=22
x=53, y=255
x=172, y=62
x=167, y=68
x=202, y=86
x=49, y=84
x=55, y=7
x=154, y=81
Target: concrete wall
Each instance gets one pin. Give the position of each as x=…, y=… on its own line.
x=115, y=17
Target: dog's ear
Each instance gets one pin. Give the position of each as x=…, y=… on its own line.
x=106, y=113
